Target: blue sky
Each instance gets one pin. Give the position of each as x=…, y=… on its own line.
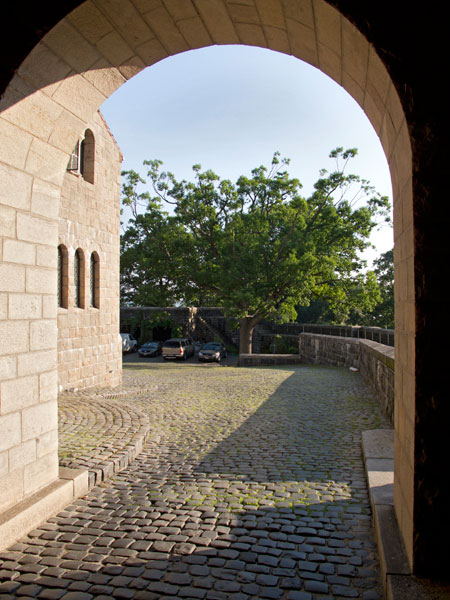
x=230, y=108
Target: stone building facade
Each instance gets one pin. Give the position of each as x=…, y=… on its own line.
x=89, y=349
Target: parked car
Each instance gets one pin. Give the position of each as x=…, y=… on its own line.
x=150, y=349
x=181, y=348
x=129, y=344
x=212, y=351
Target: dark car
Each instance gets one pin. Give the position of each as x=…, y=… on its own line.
x=150, y=349
x=212, y=352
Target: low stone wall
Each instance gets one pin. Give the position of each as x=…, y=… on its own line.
x=377, y=366
x=329, y=350
x=256, y=360
x=376, y=334
x=374, y=361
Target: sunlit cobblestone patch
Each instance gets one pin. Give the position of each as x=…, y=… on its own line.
x=253, y=487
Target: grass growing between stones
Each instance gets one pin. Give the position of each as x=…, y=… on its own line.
x=248, y=430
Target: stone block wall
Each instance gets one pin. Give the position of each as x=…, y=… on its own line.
x=375, y=362
x=262, y=360
x=136, y=319
x=329, y=350
x=89, y=348
x=377, y=366
x=200, y=323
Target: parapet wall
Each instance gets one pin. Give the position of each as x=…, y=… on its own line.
x=376, y=334
x=374, y=361
x=262, y=360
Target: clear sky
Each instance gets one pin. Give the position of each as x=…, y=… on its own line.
x=230, y=108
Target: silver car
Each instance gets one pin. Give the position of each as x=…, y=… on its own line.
x=212, y=352
x=177, y=348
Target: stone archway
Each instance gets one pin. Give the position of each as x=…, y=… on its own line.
x=49, y=103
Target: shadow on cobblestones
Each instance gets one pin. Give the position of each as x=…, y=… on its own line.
x=254, y=489
x=95, y=550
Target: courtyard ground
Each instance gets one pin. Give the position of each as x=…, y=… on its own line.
x=250, y=485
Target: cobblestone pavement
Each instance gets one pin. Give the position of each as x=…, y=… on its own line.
x=100, y=432
x=254, y=487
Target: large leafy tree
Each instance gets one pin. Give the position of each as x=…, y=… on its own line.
x=257, y=247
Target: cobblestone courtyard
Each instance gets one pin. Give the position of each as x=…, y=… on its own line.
x=251, y=485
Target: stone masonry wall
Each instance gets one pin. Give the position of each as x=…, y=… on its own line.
x=329, y=350
x=374, y=361
x=201, y=323
x=89, y=349
x=377, y=366
x=132, y=318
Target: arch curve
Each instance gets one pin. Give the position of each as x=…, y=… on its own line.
x=83, y=59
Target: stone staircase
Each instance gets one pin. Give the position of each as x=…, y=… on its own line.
x=217, y=326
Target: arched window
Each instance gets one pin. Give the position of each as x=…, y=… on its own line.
x=82, y=159
x=63, y=279
x=78, y=278
x=87, y=156
x=95, y=281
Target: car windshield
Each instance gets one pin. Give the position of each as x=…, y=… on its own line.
x=172, y=344
x=211, y=346
x=150, y=345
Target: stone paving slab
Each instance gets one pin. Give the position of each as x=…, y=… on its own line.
x=253, y=488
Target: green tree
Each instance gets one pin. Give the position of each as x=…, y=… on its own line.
x=150, y=250
x=368, y=299
x=257, y=247
x=382, y=314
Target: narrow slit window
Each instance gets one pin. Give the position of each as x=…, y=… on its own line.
x=63, y=292
x=95, y=281
x=78, y=276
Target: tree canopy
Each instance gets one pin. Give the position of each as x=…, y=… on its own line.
x=256, y=247
x=370, y=299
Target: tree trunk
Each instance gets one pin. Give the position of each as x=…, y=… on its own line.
x=246, y=335
x=247, y=325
